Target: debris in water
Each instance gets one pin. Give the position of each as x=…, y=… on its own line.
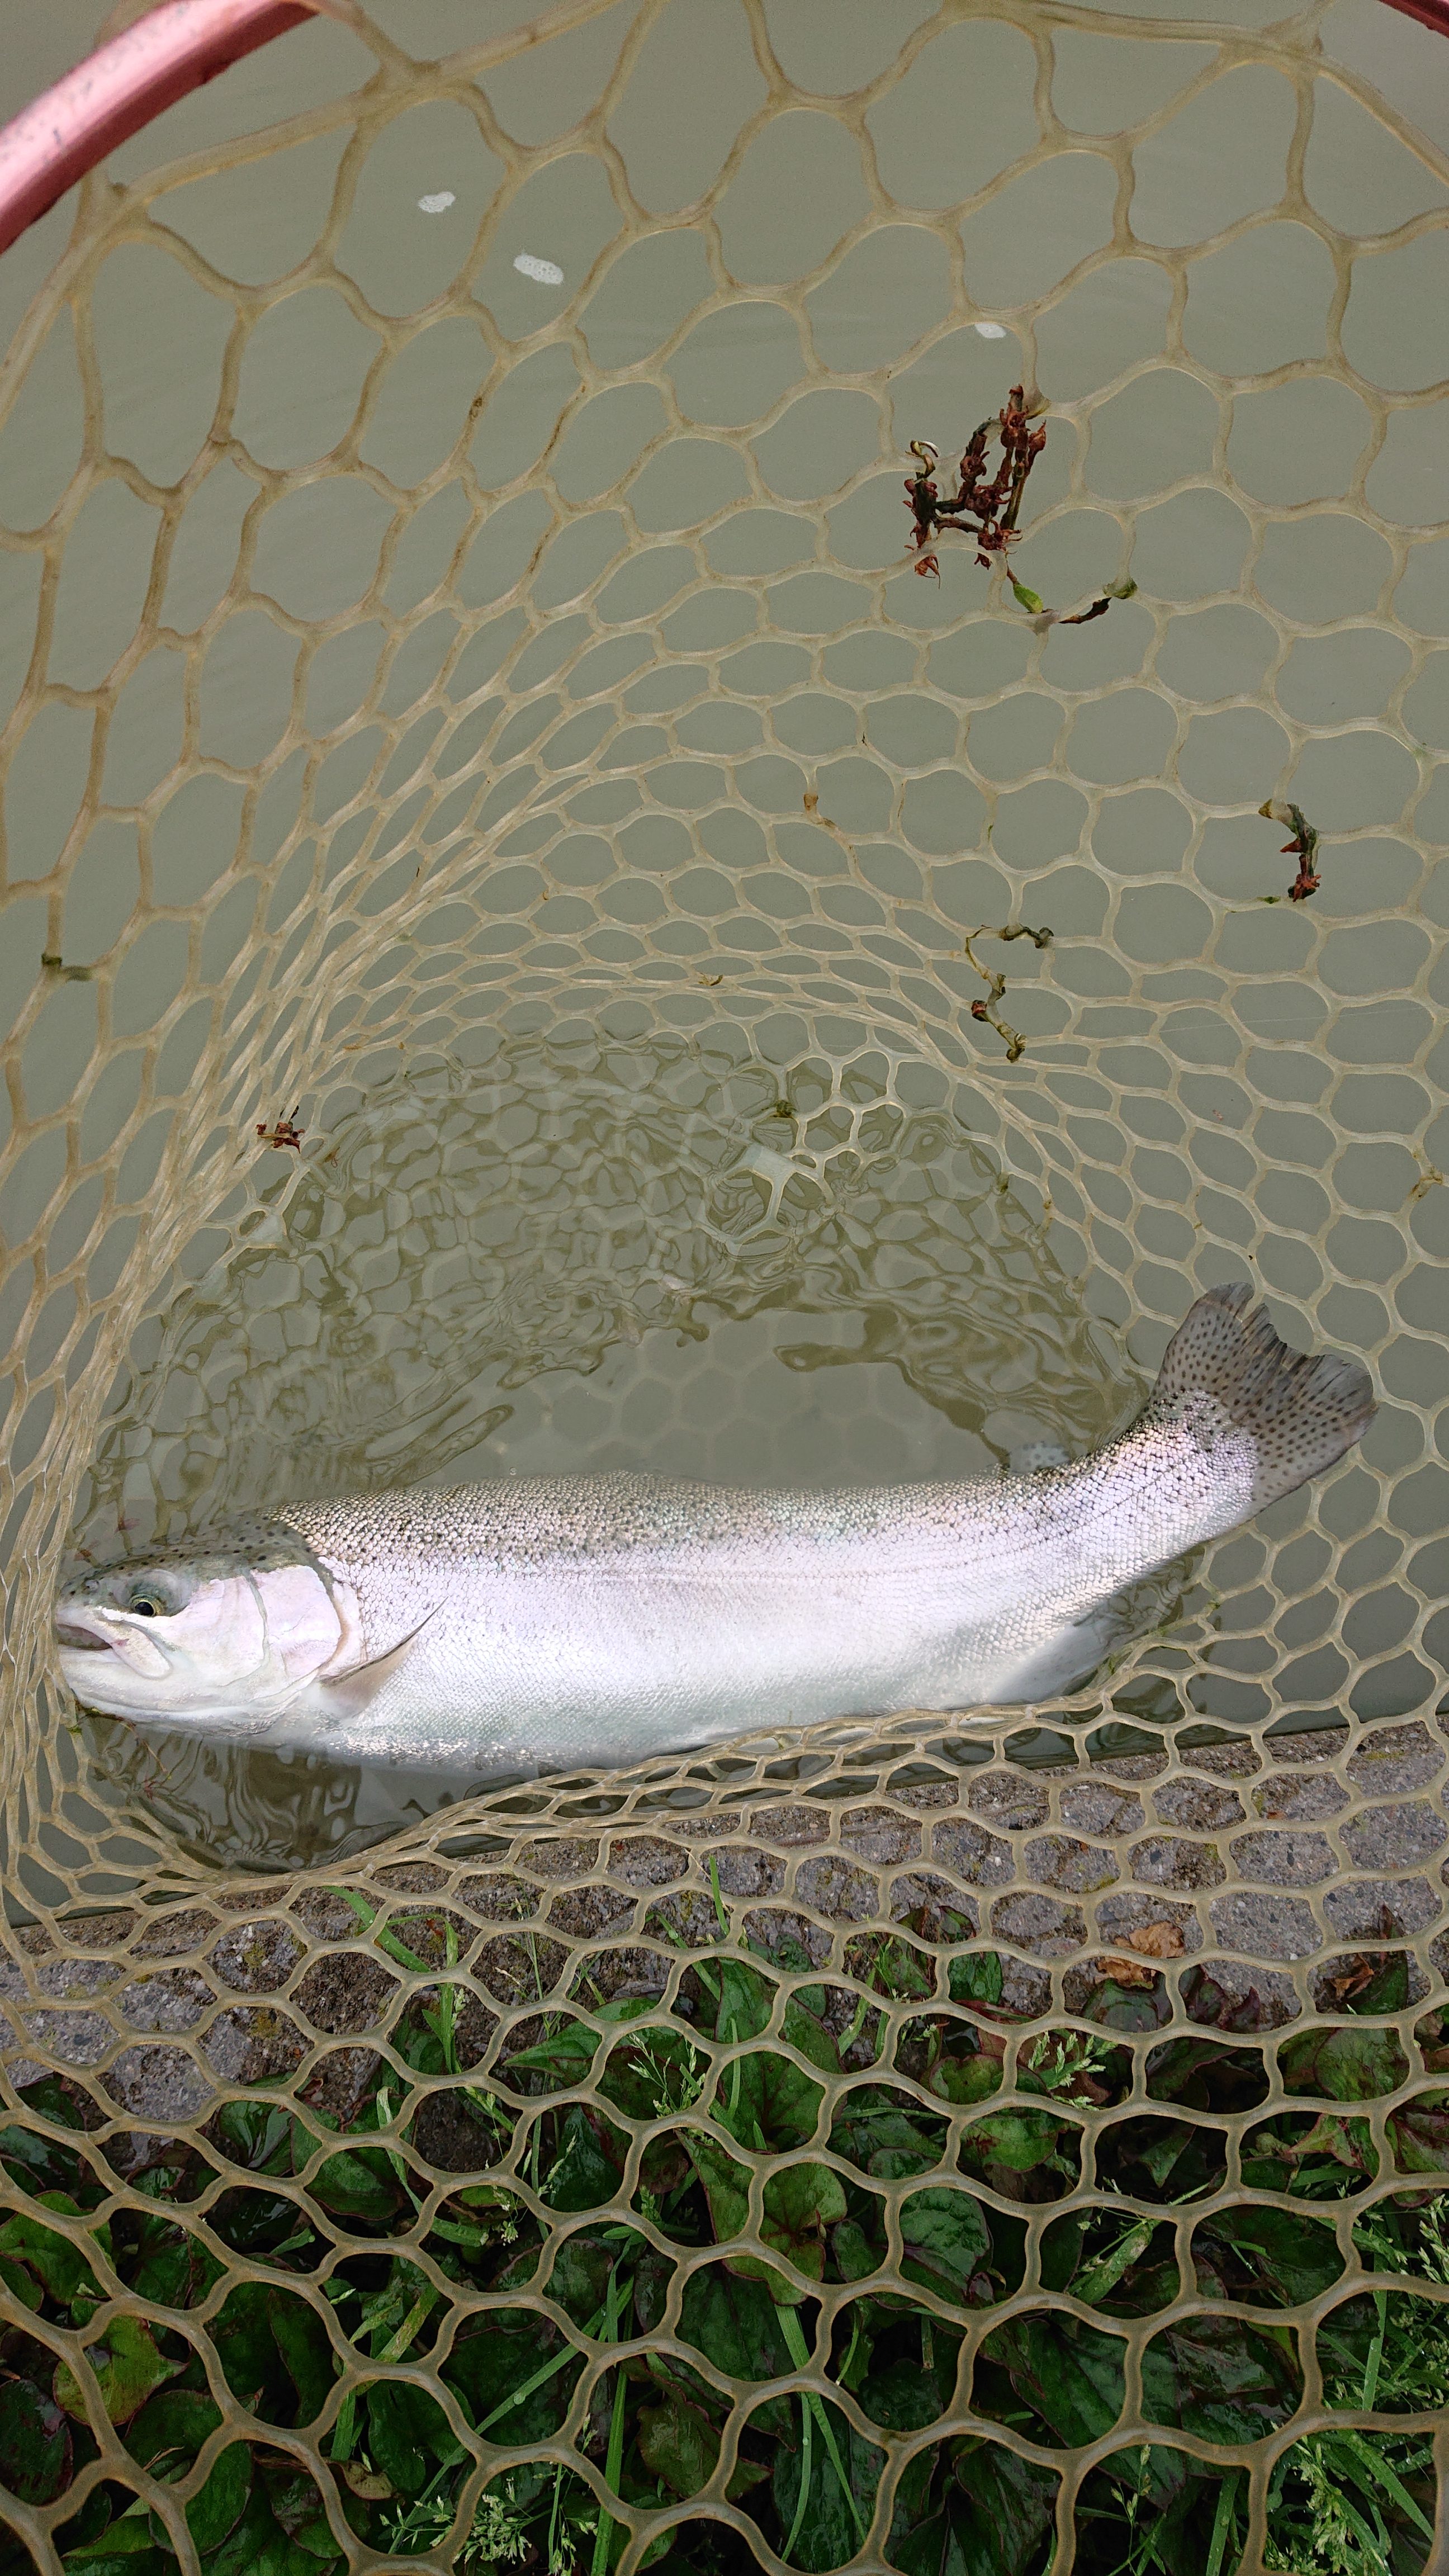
x=285, y=1132
x=996, y=984
x=1303, y=847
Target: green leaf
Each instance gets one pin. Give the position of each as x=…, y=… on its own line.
x=885, y=2135
x=493, y=2359
x=1387, y=1990
x=972, y=2078
x=975, y=1978
x=246, y=2346
x=223, y=2497
x=1070, y=2374
x=175, y=2269
x=1420, y=2133
x=1020, y=2141
x=1207, y=2074
x=658, y=2072
x=732, y=2320
x=302, y=2340
x=58, y=2263
x=799, y=2205
x=359, y=2183
x=22, y=2284
x=126, y=2548
x=1220, y=2378
x=584, y=2173
x=969, y=2509
x=1346, y=2065
x=257, y=2135
x=746, y=1999
x=1010, y=2506
x=172, y=2427
x=408, y=2435
x=35, y=2443
x=1267, y=2258
x=678, y=2443
x=805, y=2032
x=726, y=2184
x=855, y=2256
x=583, y=2268
x=565, y=2056
x=1025, y=598
x=127, y=2366
x=945, y=2240
x=768, y=2104
x=903, y=2397
x=255, y=2546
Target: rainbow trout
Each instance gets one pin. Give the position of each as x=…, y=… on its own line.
x=548, y=1621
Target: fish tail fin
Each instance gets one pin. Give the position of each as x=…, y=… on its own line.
x=1303, y=1411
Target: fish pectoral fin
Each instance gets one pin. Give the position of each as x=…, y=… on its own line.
x=1065, y=1662
x=348, y=1694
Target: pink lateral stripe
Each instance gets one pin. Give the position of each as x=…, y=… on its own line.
x=116, y=91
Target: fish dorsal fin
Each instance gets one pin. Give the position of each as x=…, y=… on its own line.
x=348, y=1694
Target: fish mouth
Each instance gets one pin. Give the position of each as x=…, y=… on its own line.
x=80, y=1641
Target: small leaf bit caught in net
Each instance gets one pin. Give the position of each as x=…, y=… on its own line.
x=1303, y=847
x=285, y=1131
x=987, y=511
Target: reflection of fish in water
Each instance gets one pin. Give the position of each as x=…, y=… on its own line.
x=559, y=1620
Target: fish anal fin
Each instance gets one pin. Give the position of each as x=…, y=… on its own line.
x=344, y=1695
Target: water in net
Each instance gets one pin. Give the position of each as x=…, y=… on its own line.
x=492, y=720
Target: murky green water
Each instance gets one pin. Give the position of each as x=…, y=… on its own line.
x=665, y=1255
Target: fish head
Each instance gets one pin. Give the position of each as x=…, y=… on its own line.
x=231, y=1627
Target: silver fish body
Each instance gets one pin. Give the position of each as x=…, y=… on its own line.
x=605, y=1619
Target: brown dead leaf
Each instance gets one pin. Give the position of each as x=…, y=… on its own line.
x=369, y=2484
x=1157, y=1940
x=1126, y=1972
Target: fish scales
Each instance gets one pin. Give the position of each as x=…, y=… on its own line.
x=608, y=1618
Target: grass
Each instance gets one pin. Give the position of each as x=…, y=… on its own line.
x=385, y=2314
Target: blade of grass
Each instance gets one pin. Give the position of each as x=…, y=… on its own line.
x=1376, y=2349
x=807, y=2465
x=620, y=2292
x=569, y=2353
x=794, y=2334
x=1222, y=2524
x=1363, y=2451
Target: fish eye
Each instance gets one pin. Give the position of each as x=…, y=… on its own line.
x=147, y=1602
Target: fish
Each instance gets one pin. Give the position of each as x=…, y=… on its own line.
x=539, y=1622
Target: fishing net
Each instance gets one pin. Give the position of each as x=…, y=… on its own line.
x=472, y=716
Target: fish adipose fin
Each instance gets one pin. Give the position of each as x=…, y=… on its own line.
x=1302, y=1411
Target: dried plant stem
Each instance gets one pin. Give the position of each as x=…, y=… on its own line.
x=996, y=984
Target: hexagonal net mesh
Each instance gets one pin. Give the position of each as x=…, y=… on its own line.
x=466, y=693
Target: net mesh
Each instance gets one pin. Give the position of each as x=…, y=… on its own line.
x=490, y=718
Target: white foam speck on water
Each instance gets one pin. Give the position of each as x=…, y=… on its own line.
x=544, y=272
x=439, y=204
x=992, y=330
